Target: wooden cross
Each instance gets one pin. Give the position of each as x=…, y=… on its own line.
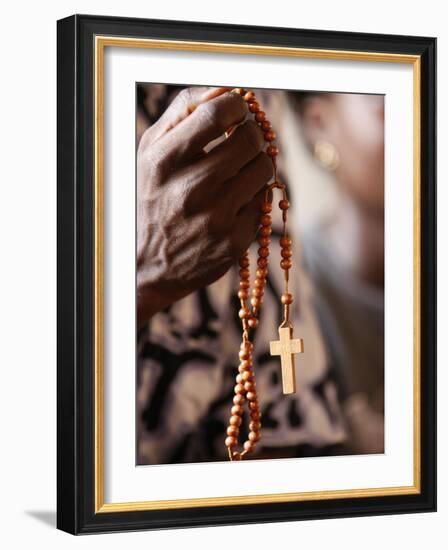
x=286, y=347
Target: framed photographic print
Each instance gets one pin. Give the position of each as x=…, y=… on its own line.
x=246, y=274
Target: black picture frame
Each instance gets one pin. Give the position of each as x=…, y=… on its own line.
x=76, y=258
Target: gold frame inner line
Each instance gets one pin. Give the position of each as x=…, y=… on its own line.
x=101, y=42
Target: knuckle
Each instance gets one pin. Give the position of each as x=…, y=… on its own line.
x=184, y=99
x=210, y=115
x=265, y=165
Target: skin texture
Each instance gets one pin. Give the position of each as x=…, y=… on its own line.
x=354, y=125
x=197, y=211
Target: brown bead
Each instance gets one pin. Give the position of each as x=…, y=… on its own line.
x=244, y=285
x=247, y=345
x=285, y=241
x=286, y=253
x=233, y=431
x=243, y=294
x=254, y=426
x=266, y=125
x=253, y=406
x=230, y=441
x=254, y=107
x=244, y=261
x=287, y=298
x=236, y=455
x=265, y=231
x=244, y=354
x=249, y=96
x=251, y=396
x=239, y=388
x=238, y=379
x=262, y=262
x=240, y=91
x=252, y=322
x=266, y=207
x=248, y=446
x=283, y=204
x=244, y=365
x=270, y=135
x=244, y=273
x=244, y=313
x=249, y=386
x=263, y=252
x=272, y=151
x=260, y=282
x=265, y=220
x=255, y=415
x=261, y=273
x=260, y=116
x=256, y=301
x=285, y=264
x=238, y=399
x=246, y=375
x=236, y=410
x=264, y=241
x=258, y=292
x=253, y=436
x=235, y=420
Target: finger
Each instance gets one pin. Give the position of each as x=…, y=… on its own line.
x=227, y=159
x=207, y=122
x=251, y=179
x=186, y=101
x=246, y=224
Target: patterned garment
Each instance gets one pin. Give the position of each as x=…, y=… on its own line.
x=187, y=360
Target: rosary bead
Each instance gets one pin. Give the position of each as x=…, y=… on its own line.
x=246, y=375
x=235, y=420
x=244, y=285
x=249, y=386
x=243, y=294
x=264, y=241
x=238, y=399
x=283, y=204
x=233, y=431
x=243, y=366
x=254, y=436
x=266, y=220
x=254, y=107
x=285, y=264
x=266, y=230
x=272, y=151
x=254, y=426
x=269, y=135
x=253, y=406
x=230, y=441
x=256, y=301
x=239, y=388
x=266, y=207
x=246, y=345
x=244, y=273
x=244, y=313
x=238, y=379
x=285, y=241
x=260, y=282
x=262, y=262
x=260, y=116
x=248, y=446
x=244, y=261
x=261, y=273
x=236, y=410
x=286, y=253
x=251, y=396
x=258, y=292
x=287, y=298
x=249, y=96
x=252, y=322
x=263, y=251
x=255, y=415
x=266, y=125
x=244, y=354
x=236, y=455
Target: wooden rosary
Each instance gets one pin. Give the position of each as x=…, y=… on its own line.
x=245, y=388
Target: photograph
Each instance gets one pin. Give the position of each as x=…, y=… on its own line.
x=239, y=192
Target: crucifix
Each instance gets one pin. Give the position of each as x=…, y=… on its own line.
x=286, y=347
